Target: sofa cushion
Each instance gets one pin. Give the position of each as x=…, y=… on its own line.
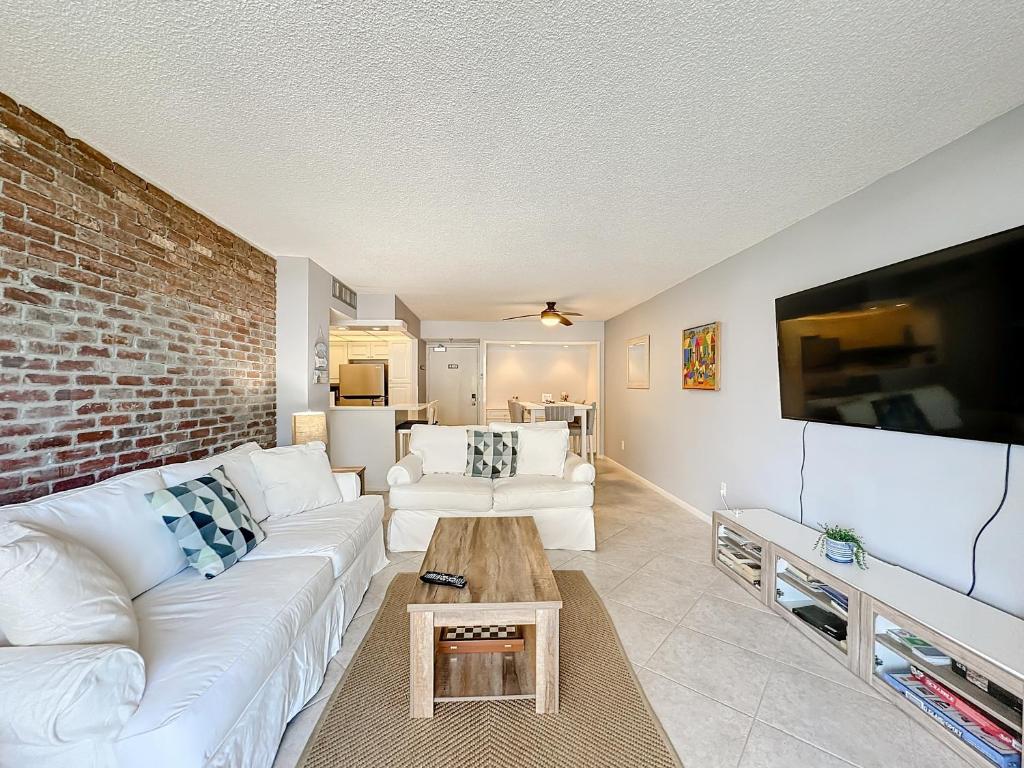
x=542, y=451
x=491, y=454
x=209, y=520
x=57, y=592
x=540, y=492
x=442, y=449
x=238, y=467
x=61, y=694
x=114, y=520
x=209, y=646
x=338, y=532
x=444, y=492
x=296, y=478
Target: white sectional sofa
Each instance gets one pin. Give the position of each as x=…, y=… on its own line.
x=228, y=661
x=430, y=483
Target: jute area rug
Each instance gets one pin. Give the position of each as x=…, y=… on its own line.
x=604, y=718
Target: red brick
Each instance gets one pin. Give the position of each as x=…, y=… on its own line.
x=95, y=437
x=20, y=463
x=74, y=394
x=49, y=284
x=24, y=395
x=75, y=482
x=52, y=441
x=47, y=378
x=29, y=198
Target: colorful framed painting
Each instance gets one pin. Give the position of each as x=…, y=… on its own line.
x=702, y=361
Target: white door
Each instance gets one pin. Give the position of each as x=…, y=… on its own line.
x=453, y=379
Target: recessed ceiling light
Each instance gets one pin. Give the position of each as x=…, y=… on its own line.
x=526, y=342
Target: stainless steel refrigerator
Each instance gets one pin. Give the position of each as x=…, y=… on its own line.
x=363, y=383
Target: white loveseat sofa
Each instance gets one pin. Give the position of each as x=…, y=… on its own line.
x=228, y=661
x=430, y=482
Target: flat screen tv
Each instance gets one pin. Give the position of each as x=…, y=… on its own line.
x=932, y=345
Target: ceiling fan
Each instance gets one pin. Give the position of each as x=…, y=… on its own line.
x=550, y=315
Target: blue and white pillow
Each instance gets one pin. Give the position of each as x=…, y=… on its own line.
x=210, y=520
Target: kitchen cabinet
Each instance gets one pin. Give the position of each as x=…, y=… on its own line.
x=379, y=350
x=338, y=354
x=359, y=350
x=400, y=362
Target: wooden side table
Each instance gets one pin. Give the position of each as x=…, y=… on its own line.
x=361, y=471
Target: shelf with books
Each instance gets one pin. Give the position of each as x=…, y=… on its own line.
x=817, y=604
x=973, y=705
x=739, y=553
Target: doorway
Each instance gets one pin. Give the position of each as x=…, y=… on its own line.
x=453, y=379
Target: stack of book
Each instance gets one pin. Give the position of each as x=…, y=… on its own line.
x=992, y=689
x=739, y=562
x=966, y=722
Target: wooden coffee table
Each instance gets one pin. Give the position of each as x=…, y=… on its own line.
x=509, y=583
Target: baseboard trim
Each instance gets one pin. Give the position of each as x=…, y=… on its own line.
x=685, y=505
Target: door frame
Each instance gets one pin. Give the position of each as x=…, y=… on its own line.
x=598, y=347
x=459, y=343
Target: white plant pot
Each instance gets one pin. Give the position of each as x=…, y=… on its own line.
x=839, y=551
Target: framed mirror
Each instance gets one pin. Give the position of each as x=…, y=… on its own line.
x=638, y=363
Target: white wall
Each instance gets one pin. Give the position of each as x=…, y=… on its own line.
x=304, y=303
x=918, y=501
x=529, y=370
x=513, y=330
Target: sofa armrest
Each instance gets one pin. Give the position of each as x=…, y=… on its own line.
x=577, y=470
x=348, y=483
x=55, y=694
x=406, y=472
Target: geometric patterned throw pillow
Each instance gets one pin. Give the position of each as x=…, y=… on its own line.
x=211, y=522
x=492, y=454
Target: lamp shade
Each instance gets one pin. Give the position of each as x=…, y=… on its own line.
x=309, y=427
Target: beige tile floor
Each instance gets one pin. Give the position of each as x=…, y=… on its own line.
x=733, y=684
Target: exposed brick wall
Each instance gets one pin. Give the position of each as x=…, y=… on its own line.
x=133, y=330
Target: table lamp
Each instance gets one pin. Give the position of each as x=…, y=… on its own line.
x=308, y=427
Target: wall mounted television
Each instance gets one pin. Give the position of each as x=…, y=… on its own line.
x=933, y=345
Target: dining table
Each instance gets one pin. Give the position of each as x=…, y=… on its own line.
x=536, y=413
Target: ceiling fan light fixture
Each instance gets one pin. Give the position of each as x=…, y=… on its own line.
x=550, y=318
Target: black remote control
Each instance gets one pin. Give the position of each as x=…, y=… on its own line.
x=444, y=579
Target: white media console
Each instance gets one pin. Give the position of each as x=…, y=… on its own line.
x=773, y=558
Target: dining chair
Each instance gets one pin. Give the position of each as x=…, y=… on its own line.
x=560, y=413
x=584, y=438
x=516, y=412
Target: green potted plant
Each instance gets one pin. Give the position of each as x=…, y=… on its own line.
x=841, y=545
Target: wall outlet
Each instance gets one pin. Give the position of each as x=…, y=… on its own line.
x=723, y=490
x=623, y=445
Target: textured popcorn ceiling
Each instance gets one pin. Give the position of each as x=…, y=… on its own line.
x=479, y=158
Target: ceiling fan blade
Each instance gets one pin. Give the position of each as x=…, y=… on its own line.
x=519, y=317
x=570, y=314
x=563, y=319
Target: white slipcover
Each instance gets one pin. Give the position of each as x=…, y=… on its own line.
x=429, y=483
x=209, y=646
x=443, y=491
x=115, y=521
x=229, y=661
x=338, y=532
x=62, y=695
x=524, y=492
x=296, y=478
x=238, y=467
x=55, y=591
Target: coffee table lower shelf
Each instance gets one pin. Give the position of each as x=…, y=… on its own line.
x=487, y=676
